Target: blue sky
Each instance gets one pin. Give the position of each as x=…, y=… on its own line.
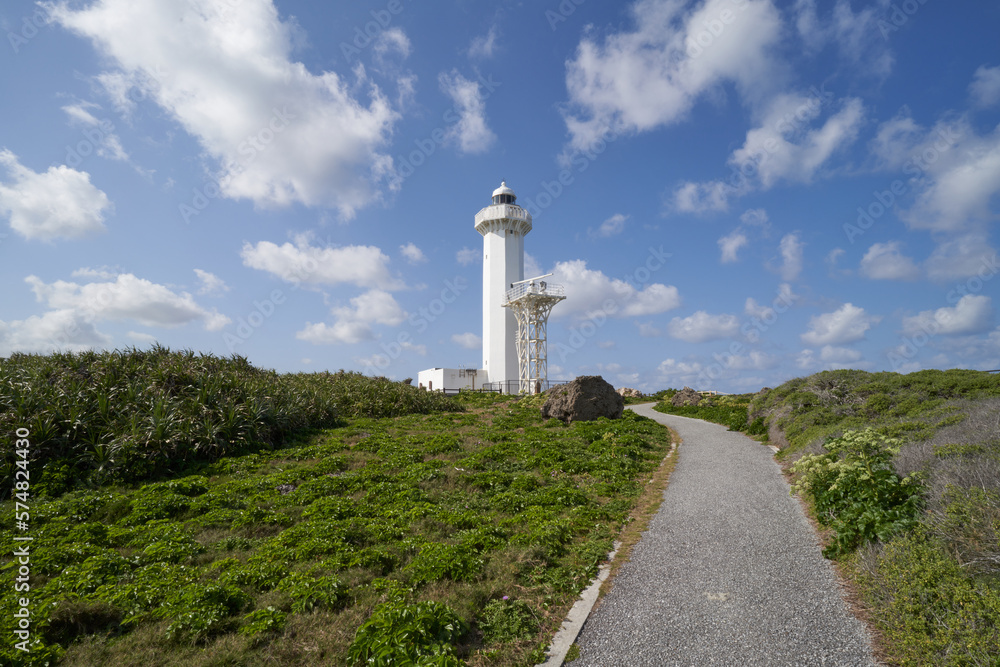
x=733, y=192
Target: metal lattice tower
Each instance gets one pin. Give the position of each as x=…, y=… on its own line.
x=532, y=301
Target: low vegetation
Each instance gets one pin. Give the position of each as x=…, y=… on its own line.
x=730, y=410
x=904, y=471
x=457, y=533
x=128, y=416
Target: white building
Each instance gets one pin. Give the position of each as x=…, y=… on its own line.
x=503, y=225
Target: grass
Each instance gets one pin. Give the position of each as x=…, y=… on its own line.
x=328, y=545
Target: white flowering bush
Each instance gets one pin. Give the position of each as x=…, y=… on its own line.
x=856, y=491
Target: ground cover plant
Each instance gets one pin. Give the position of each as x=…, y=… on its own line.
x=905, y=471
x=444, y=537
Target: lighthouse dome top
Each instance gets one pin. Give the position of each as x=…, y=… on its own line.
x=503, y=194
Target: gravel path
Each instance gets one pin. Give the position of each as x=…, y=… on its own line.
x=729, y=571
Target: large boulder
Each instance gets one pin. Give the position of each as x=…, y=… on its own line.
x=686, y=396
x=628, y=392
x=584, y=399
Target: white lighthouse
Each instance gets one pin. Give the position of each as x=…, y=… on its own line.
x=515, y=310
x=503, y=225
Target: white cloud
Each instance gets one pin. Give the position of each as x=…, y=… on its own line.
x=484, y=46
x=347, y=332
x=832, y=257
x=354, y=322
x=99, y=134
x=126, y=298
x=469, y=341
x=412, y=253
x=730, y=245
x=806, y=359
x=962, y=257
x=953, y=171
x=373, y=306
x=703, y=197
x=637, y=81
x=471, y=132
x=612, y=226
x=854, y=35
x=588, y=291
x=679, y=373
x=60, y=203
x=701, y=327
x=76, y=309
x=751, y=218
x=973, y=314
x=103, y=273
x=847, y=324
x=606, y=344
x=651, y=300
x=278, y=134
x=364, y=266
x=883, y=261
x=754, y=309
x=785, y=298
x=830, y=358
x=791, y=257
x=756, y=217
x=392, y=40
x=531, y=266
x=211, y=283
x=57, y=330
x=839, y=355
x=648, y=330
x=140, y=337
x=781, y=148
x=985, y=86
x=467, y=256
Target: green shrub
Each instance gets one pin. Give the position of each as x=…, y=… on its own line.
x=397, y=633
x=930, y=610
x=127, y=416
x=856, y=491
